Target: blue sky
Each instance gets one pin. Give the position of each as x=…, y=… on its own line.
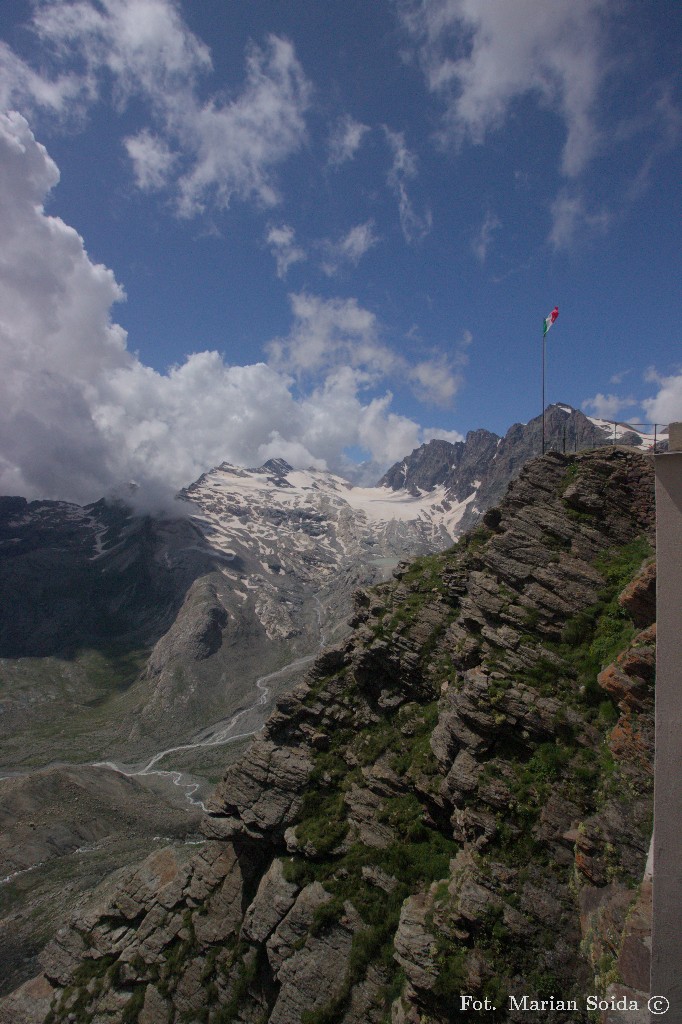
x=327, y=231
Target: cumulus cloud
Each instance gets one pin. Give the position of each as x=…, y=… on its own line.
x=481, y=57
x=666, y=405
x=206, y=150
x=349, y=249
x=282, y=242
x=403, y=169
x=328, y=331
x=345, y=139
x=434, y=381
x=608, y=407
x=82, y=416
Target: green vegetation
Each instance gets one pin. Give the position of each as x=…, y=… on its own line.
x=70, y=703
x=132, y=1008
x=592, y=639
x=425, y=575
x=247, y=964
x=421, y=854
x=323, y=824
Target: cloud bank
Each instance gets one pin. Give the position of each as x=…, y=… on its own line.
x=82, y=416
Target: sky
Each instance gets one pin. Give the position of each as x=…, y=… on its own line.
x=327, y=232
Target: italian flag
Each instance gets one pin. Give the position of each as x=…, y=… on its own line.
x=547, y=323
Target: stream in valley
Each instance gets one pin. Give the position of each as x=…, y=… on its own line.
x=245, y=723
x=241, y=725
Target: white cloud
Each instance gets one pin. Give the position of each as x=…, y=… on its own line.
x=331, y=335
x=152, y=160
x=21, y=86
x=144, y=44
x=481, y=56
x=434, y=433
x=284, y=248
x=434, y=381
x=81, y=416
x=387, y=435
x=403, y=169
x=666, y=405
x=572, y=221
x=345, y=139
x=484, y=236
x=327, y=332
x=236, y=144
x=618, y=378
x=207, y=150
x=652, y=376
x=439, y=378
x=349, y=249
x=608, y=407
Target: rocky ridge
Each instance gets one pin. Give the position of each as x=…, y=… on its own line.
x=479, y=469
x=455, y=799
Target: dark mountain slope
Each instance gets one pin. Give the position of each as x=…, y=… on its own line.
x=74, y=577
x=459, y=466
x=449, y=803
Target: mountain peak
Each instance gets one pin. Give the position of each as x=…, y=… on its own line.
x=278, y=467
x=456, y=466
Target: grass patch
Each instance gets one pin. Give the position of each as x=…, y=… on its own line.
x=322, y=821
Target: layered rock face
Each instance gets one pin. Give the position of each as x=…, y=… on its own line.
x=456, y=799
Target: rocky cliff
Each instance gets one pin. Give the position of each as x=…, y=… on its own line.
x=456, y=799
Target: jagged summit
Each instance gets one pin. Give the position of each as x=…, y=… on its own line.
x=277, y=467
x=457, y=466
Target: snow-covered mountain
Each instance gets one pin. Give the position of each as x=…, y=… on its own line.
x=278, y=521
x=184, y=612
x=72, y=575
x=156, y=626
x=630, y=433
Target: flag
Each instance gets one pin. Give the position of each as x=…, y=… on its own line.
x=550, y=320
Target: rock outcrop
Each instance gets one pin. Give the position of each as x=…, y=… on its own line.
x=455, y=800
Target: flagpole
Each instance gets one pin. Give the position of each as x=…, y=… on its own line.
x=546, y=324
x=544, y=335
